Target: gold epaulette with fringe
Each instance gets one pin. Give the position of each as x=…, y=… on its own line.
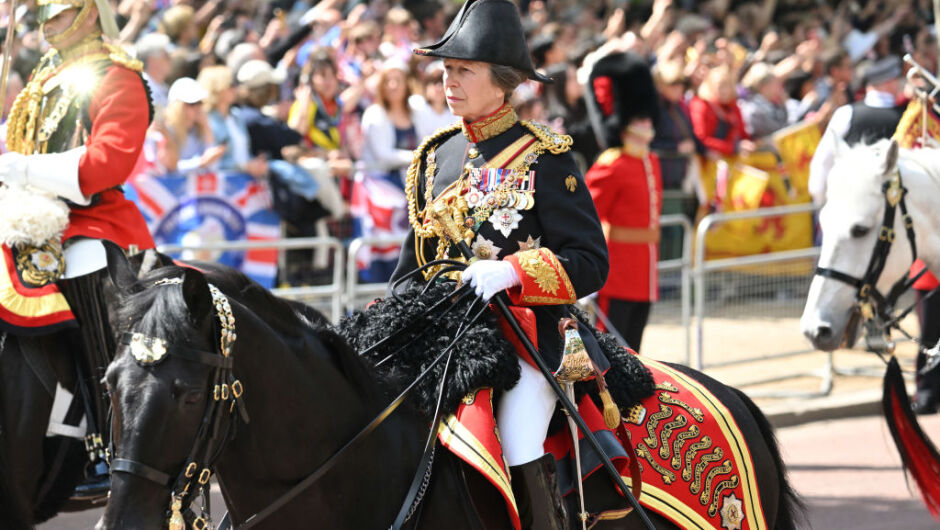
x=119, y=55
x=551, y=141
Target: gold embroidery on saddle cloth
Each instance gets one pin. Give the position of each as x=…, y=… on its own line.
x=693, y=411
x=704, y=443
x=679, y=443
x=668, y=476
x=652, y=440
x=39, y=266
x=715, y=456
x=724, y=469
x=730, y=483
x=666, y=433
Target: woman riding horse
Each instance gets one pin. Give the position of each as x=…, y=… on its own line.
x=75, y=132
x=529, y=220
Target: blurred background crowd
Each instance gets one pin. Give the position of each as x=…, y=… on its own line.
x=318, y=105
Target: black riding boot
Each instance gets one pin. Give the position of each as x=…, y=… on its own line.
x=927, y=397
x=94, y=344
x=540, y=504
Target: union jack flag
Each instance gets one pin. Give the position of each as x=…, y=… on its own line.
x=211, y=207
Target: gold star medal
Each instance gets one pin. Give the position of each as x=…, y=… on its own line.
x=484, y=248
x=530, y=244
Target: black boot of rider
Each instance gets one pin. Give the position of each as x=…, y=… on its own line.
x=540, y=504
x=927, y=397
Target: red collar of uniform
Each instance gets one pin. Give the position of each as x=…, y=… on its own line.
x=493, y=124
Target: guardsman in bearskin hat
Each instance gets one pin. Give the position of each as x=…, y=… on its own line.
x=529, y=220
x=75, y=132
x=626, y=184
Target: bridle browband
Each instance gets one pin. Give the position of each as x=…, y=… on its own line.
x=218, y=422
x=870, y=303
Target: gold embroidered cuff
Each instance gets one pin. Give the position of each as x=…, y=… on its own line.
x=543, y=279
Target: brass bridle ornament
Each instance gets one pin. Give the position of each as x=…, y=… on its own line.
x=218, y=420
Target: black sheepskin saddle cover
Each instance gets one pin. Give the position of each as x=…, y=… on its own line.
x=482, y=357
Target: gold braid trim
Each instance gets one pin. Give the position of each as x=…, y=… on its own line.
x=119, y=55
x=414, y=172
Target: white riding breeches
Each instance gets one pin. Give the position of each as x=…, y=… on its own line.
x=84, y=256
x=523, y=414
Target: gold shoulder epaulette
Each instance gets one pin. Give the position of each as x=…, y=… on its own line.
x=609, y=156
x=119, y=55
x=551, y=141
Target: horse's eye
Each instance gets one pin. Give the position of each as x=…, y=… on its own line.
x=859, y=230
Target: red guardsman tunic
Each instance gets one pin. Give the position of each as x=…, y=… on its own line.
x=119, y=115
x=627, y=192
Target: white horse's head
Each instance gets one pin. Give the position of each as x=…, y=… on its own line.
x=850, y=223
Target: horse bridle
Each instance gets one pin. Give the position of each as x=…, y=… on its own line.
x=870, y=304
x=211, y=439
x=217, y=425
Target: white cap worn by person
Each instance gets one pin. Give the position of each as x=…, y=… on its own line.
x=257, y=73
x=187, y=90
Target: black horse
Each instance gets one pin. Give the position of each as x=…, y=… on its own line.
x=306, y=394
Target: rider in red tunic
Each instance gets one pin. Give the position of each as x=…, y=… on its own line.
x=75, y=132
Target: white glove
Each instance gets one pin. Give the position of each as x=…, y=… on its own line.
x=488, y=277
x=13, y=169
x=55, y=173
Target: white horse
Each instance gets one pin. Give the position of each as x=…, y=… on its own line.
x=852, y=222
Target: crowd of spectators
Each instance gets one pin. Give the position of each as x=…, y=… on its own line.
x=313, y=96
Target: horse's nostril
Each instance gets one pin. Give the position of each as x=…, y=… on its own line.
x=823, y=332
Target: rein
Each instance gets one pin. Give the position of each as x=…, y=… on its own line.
x=873, y=307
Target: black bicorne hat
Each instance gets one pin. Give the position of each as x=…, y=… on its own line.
x=620, y=89
x=489, y=31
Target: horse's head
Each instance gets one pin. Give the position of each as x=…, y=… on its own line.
x=852, y=223
x=161, y=383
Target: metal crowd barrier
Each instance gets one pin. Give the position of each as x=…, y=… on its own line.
x=772, y=285
x=313, y=295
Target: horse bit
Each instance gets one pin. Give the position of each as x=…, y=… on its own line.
x=871, y=306
x=210, y=439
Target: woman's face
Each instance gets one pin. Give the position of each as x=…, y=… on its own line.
x=434, y=89
x=325, y=83
x=470, y=91
x=396, y=85
x=193, y=111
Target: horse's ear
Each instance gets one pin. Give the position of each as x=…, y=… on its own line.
x=119, y=268
x=196, y=294
x=891, y=161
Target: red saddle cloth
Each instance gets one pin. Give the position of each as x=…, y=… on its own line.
x=28, y=309
x=695, y=465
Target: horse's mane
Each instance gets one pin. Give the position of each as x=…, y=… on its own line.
x=161, y=312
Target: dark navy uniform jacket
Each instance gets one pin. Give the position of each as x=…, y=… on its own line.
x=544, y=221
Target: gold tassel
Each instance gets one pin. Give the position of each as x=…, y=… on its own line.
x=611, y=412
x=176, y=517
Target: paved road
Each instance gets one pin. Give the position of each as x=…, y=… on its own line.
x=847, y=471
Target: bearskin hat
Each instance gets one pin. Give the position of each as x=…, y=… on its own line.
x=620, y=88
